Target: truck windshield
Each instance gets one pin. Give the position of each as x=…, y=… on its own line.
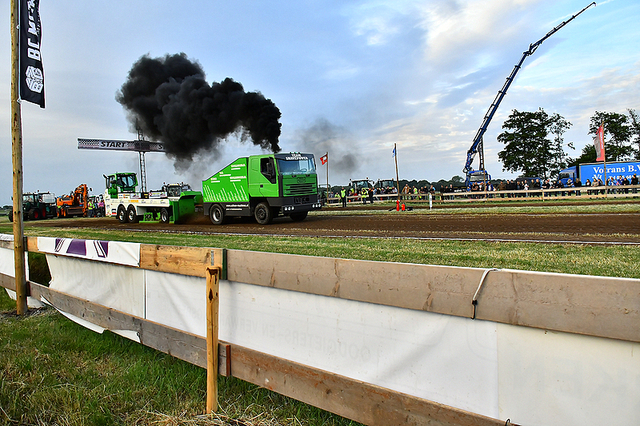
x=296, y=165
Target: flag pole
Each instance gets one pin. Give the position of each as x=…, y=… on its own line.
x=16, y=137
x=328, y=189
x=395, y=155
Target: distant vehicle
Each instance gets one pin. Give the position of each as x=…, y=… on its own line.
x=74, y=204
x=324, y=192
x=477, y=144
x=383, y=184
x=358, y=184
x=36, y=206
x=477, y=176
x=170, y=204
x=592, y=171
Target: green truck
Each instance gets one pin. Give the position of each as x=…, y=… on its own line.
x=263, y=186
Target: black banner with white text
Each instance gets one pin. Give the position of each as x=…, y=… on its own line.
x=31, y=69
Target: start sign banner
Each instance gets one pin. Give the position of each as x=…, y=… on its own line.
x=31, y=69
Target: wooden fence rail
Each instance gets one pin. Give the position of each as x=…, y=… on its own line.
x=587, y=305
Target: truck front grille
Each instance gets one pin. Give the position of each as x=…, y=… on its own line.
x=298, y=189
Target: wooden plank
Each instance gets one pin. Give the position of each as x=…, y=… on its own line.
x=180, y=260
x=213, y=303
x=596, y=306
x=182, y=345
x=8, y=281
x=32, y=244
x=359, y=401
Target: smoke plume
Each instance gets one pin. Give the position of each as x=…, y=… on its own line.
x=170, y=100
x=323, y=136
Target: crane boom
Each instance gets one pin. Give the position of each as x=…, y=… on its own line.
x=477, y=145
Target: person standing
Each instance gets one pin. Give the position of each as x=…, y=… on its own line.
x=343, y=196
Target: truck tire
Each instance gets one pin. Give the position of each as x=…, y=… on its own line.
x=35, y=214
x=216, y=214
x=132, y=214
x=164, y=215
x=298, y=217
x=122, y=214
x=263, y=213
x=11, y=215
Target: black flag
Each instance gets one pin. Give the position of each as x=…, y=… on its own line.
x=31, y=70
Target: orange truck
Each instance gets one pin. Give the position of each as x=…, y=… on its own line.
x=74, y=204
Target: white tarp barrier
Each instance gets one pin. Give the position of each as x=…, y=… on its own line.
x=534, y=377
x=437, y=357
x=115, y=286
x=552, y=378
x=7, y=267
x=103, y=251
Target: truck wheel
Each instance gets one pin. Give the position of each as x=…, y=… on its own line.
x=216, y=214
x=132, y=215
x=35, y=214
x=298, y=217
x=263, y=214
x=11, y=215
x=164, y=215
x=122, y=214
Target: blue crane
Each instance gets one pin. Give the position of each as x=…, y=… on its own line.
x=481, y=175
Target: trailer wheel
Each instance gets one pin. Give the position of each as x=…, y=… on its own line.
x=298, y=217
x=122, y=214
x=263, y=214
x=132, y=215
x=164, y=215
x=216, y=214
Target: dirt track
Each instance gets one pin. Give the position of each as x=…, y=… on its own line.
x=588, y=227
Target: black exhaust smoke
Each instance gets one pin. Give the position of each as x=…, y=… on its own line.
x=170, y=100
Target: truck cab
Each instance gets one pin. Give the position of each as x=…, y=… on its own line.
x=263, y=186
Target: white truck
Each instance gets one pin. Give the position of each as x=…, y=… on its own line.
x=173, y=203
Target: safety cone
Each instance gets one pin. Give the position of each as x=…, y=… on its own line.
x=397, y=205
x=403, y=207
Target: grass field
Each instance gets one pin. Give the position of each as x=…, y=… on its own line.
x=53, y=371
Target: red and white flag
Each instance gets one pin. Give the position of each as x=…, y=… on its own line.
x=324, y=159
x=598, y=142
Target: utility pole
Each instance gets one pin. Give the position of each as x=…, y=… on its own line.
x=16, y=138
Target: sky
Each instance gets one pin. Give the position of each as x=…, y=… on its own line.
x=351, y=78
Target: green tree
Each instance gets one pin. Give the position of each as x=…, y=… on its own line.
x=534, y=143
x=617, y=135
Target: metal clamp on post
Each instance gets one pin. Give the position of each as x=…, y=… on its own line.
x=474, y=301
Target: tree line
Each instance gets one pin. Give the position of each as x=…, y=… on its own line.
x=535, y=146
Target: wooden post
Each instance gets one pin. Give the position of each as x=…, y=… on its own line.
x=16, y=137
x=213, y=285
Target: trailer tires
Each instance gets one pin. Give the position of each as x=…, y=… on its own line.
x=298, y=217
x=216, y=214
x=122, y=214
x=263, y=213
x=132, y=215
x=164, y=215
